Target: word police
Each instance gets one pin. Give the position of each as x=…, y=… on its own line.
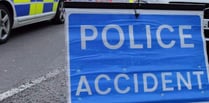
x=133, y=45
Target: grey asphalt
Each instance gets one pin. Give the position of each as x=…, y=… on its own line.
x=52, y=90
x=32, y=52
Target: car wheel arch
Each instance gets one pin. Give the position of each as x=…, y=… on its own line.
x=10, y=8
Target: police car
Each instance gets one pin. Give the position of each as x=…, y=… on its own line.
x=16, y=13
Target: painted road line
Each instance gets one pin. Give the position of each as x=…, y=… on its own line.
x=29, y=84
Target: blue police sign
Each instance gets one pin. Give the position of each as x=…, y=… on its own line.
x=118, y=58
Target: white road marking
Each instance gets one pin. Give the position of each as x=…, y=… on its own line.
x=27, y=85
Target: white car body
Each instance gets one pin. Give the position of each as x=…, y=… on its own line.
x=16, y=13
x=25, y=20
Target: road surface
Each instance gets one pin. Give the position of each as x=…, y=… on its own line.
x=33, y=65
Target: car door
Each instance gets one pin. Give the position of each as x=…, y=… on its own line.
x=46, y=7
x=30, y=11
x=23, y=7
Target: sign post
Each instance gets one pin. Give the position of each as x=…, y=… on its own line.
x=116, y=57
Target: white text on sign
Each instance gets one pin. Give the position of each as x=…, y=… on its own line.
x=183, y=81
x=182, y=36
